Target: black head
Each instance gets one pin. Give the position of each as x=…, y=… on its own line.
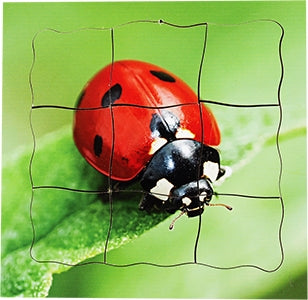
x=192, y=196
x=179, y=177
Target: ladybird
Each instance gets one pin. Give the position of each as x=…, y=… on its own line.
x=137, y=121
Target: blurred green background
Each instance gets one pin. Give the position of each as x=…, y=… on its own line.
x=238, y=59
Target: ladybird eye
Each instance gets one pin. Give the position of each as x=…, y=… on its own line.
x=98, y=145
x=162, y=76
x=113, y=94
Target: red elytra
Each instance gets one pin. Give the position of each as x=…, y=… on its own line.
x=116, y=139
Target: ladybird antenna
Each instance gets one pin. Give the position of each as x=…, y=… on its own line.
x=220, y=204
x=175, y=219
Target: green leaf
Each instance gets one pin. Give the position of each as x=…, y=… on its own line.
x=70, y=227
x=248, y=234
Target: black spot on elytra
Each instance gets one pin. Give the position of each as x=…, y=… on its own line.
x=124, y=160
x=113, y=94
x=162, y=76
x=98, y=145
x=79, y=99
x=166, y=123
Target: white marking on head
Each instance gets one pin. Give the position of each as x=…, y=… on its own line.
x=210, y=170
x=184, y=134
x=162, y=188
x=157, y=144
x=203, y=194
x=186, y=201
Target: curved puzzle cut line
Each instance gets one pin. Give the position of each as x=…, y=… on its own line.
x=110, y=192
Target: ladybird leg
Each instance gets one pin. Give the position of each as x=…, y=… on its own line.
x=148, y=203
x=117, y=186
